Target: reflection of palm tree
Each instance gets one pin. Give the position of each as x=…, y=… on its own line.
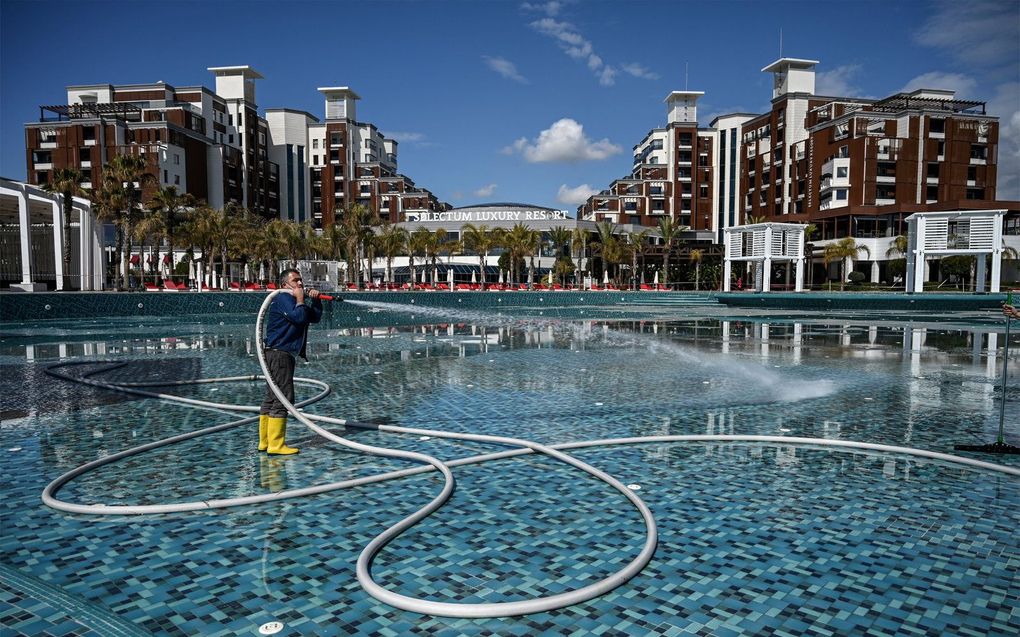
x=67, y=182
x=845, y=248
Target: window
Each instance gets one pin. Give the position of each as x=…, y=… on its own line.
x=230, y=120
x=177, y=159
x=315, y=143
x=844, y=152
x=177, y=180
x=933, y=171
x=42, y=178
x=703, y=190
x=166, y=177
x=978, y=151
x=937, y=125
x=841, y=172
x=315, y=160
x=942, y=148
x=42, y=157
x=334, y=139
x=841, y=194
x=971, y=173
x=230, y=138
x=932, y=193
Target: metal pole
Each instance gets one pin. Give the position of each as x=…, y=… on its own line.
x=1002, y=402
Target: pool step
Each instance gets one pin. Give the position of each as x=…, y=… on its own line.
x=671, y=299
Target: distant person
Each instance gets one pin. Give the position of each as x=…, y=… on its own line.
x=286, y=338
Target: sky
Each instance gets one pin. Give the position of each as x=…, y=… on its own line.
x=509, y=101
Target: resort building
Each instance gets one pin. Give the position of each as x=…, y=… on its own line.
x=852, y=167
x=214, y=145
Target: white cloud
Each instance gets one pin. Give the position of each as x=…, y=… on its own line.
x=1005, y=104
x=564, y=141
x=457, y=195
x=637, y=70
x=401, y=136
x=576, y=46
x=551, y=9
x=504, y=67
x=962, y=84
x=574, y=196
x=485, y=191
x=979, y=32
x=839, y=82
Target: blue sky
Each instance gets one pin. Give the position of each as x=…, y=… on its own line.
x=531, y=102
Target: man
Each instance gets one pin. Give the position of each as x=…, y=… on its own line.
x=286, y=338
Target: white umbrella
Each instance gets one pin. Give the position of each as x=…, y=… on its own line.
x=474, y=277
x=656, y=279
x=501, y=276
x=414, y=276
x=435, y=276
x=605, y=276
x=449, y=276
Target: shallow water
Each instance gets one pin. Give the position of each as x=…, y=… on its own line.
x=754, y=538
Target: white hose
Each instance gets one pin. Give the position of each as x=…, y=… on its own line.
x=364, y=563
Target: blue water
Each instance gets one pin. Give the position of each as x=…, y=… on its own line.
x=755, y=539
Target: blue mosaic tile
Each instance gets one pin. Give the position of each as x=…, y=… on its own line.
x=754, y=539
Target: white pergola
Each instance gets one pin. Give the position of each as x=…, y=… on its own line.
x=959, y=232
x=33, y=211
x=763, y=243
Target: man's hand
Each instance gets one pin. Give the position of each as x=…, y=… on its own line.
x=299, y=293
x=313, y=293
x=1011, y=311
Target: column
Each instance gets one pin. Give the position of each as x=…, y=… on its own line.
x=727, y=266
x=766, y=264
x=997, y=251
x=979, y=284
x=799, y=277
x=58, y=240
x=25, y=235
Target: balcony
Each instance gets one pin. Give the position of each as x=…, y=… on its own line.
x=884, y=202
x=978, y=161
x=43, y=166
x=888, y=179
x=86, y=163
x=933, y=181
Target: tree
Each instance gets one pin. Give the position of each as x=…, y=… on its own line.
x=479, y=239
x=579, y=242
x=171, y=206
x=127, y=173
x=417, y=244
x=392, y=240
x=560, y=238
x=607, y=245
x=670, y=234
x=696, y=256
x=636, y=248
x=150, y=229
x=67, y=182
x=845, y=248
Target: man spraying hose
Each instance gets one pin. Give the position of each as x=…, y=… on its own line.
x=286, y=338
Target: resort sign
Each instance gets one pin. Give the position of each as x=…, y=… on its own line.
x=477, y=216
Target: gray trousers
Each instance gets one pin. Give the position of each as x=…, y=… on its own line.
x=281, y=370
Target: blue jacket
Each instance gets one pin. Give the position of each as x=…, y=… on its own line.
x=287, y=323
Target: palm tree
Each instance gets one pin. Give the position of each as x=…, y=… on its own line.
x=636, y=248
x=479, y=239
x=670, y=233
x=559, y=237
x=151, y=230
x=358, y=221
x=607, y=246
x=122, y=173
x=845, y=248
x=579, y=242
x=67, y=182
x=392, y=240
x=171, y=206
x=107, y=204
x=696, y=256
x=417, y=243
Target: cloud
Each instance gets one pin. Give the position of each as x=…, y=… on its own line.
x=504, y=67
x=839, y=82
x=404, y=136
x=485, y=191
x=576, y=46
x=962, y=84
x=457, y=195
x=639, y=71
x=980, y=32
x=1006, y=106
x=564, y=141
x=551, y=9
x=574, y=196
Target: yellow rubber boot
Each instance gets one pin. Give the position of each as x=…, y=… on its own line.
x=263, y=432
x=277, y=428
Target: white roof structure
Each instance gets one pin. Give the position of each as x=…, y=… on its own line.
x=764, y=243
x=955, y=232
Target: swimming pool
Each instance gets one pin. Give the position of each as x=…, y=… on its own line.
x=754, y=538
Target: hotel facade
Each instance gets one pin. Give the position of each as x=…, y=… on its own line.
x=214, y=145
x=853, y=167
